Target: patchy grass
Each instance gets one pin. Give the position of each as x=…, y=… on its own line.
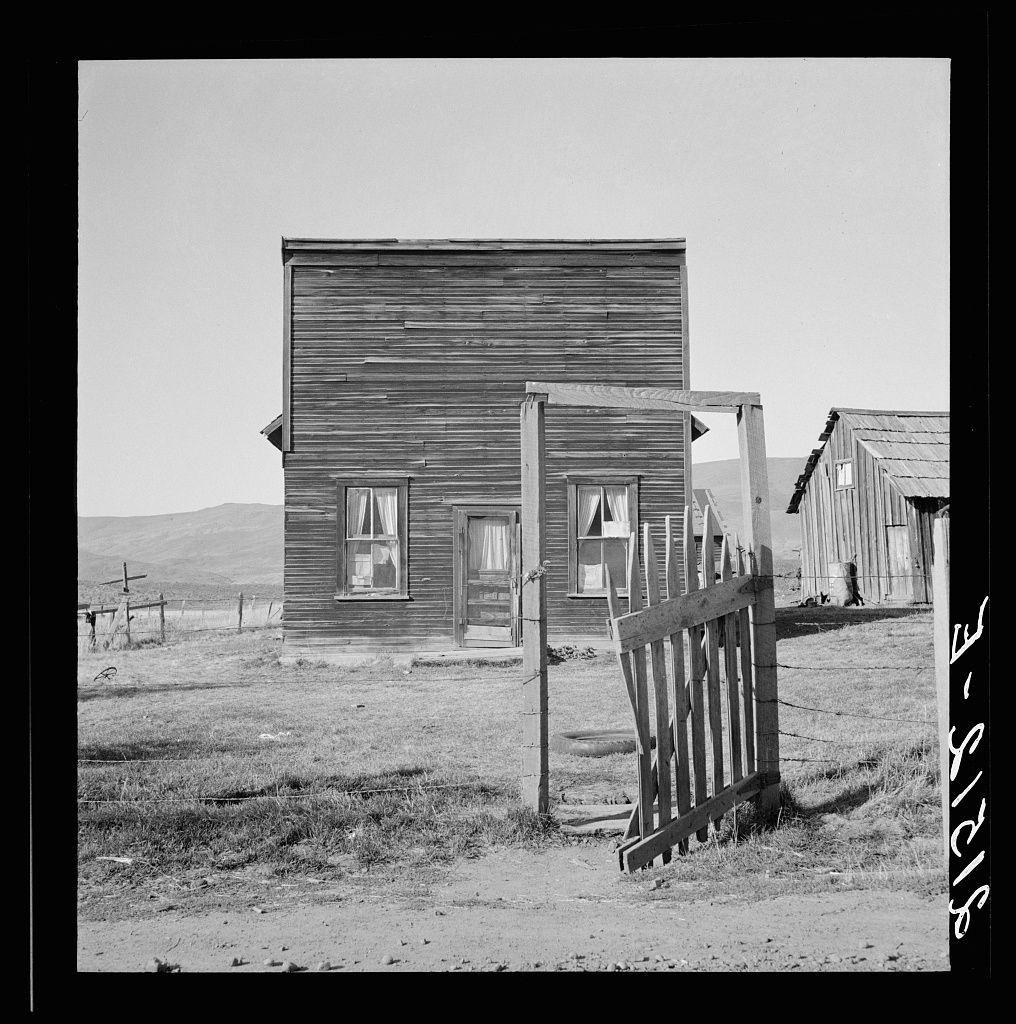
x=251, y=764
x=860, y=805
x=875, y=823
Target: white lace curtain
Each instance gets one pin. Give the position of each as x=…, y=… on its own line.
x=386, y=521
x=617, y=502
x=356, y=512
x=489, y=543
x=589, y=502
x=387, y=499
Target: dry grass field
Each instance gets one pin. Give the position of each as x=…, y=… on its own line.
x=208, y=756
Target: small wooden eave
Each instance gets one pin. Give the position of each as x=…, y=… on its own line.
x=274, y=431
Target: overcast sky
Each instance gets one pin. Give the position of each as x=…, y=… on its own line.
x=813, y=195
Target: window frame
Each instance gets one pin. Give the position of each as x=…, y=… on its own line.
x=343, y=592
x=836, y=472
x=602, y=480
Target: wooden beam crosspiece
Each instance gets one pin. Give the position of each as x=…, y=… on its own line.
x=124, y=579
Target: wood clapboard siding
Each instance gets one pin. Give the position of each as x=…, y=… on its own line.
x=414, y=363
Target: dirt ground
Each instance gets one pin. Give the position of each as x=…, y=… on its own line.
x=337, y=867
x=560, y=909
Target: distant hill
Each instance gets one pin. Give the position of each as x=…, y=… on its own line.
x=724, y=480
x=211, y=549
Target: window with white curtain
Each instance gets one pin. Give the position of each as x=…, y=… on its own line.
x=372, y=538
x=602, y=516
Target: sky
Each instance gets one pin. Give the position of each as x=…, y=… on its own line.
x=813, y=195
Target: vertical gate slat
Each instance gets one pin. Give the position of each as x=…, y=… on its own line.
x=659, y=663
x=747, y=690
x=697, y=661
x=730, y=662
x=713, y=656
x=646, y=824
x=642, y=741
x=680, y=719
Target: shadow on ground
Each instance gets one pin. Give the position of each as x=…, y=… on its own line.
x=797, y=622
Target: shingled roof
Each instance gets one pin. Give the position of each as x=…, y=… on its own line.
x=912, y=448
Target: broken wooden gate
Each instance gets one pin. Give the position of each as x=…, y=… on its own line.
x=703, y=615
x=705, y=688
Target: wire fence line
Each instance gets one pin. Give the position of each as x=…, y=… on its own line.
x=175, y=619
x=845, y=714
x=333, y=794
x=176, y=631
x=851, y=668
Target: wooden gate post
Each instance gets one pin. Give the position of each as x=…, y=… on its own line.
x=239, y=613
x=535, y=773
x=755, y=498
x=940, y=596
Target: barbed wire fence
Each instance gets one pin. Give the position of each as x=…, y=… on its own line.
x=281, y=797
x=175, y=619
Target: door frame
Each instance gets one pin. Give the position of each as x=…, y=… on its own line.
x=460, y=520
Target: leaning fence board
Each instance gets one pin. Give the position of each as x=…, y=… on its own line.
x=679, y=727
x=641, y=694
x=696, y=659
x=730, y=664
x=659, y=663
x=642, y=741
x=712, y=655
x=744, y=630
x=683, y=611
x=624, y=660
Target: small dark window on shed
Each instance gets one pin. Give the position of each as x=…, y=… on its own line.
x=372, y=538
x=845, y=473
x=602, y=515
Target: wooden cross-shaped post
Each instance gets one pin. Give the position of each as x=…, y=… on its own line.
x=125, y=578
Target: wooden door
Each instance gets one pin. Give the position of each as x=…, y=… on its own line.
x=901, y=583
x=487, y=572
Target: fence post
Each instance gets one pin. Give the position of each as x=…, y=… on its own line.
x=940, y=597
x=239, y=613
x=127, y=615
x=162, y=618
x=535, y=767
x=755, y=498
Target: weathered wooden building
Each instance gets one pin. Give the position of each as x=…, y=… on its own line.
x=404, y=366
x=868, y=496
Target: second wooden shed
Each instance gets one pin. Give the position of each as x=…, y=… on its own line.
x=868, y=496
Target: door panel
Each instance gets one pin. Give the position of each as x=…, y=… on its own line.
x=901, y=583
x=487, y=556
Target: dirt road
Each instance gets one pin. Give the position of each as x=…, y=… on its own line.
x=564, y=909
